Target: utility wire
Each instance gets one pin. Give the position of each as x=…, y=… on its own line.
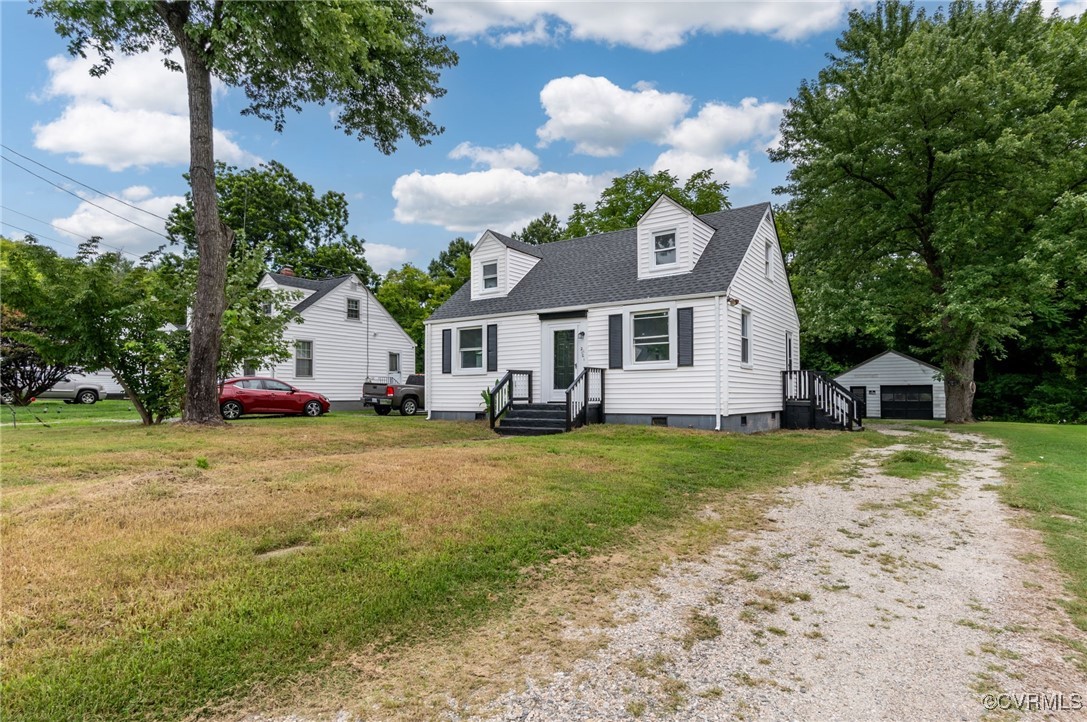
x=79, y=182
x=65, y=230
x=76, y=195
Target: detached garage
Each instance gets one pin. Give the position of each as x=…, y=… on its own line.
x=893, y=385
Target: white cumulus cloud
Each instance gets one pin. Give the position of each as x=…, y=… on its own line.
x=720, y=125
x=601, y=118
x=648, y=25
x=514, y=156
x=503, y=199
x=382, y=256
x=89, y=220
x=735, y=169
x=136, y=115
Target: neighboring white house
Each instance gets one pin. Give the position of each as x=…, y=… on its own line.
x=690, y=317
x=345, y=336
x=896, y=386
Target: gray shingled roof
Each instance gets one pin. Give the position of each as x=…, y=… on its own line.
x=519, y=245
x=604, y=269
x=320, y=288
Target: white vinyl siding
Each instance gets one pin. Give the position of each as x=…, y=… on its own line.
x=663, y=218
x=518, y=348
x=489, y=250
x=346, y=353
x=700, y=236
x=519, y=264
x=893, y=369
x=756, y=387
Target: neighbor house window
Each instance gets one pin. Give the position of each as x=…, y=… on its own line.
x=352, y=309
x=664, y=248
x=248, y=370
x=768, y=255
x=303, y=358
x=394, y=363
x=745, y=337
x=490, y=275
x=266, y=308
x=651, y=338
x=470, y=343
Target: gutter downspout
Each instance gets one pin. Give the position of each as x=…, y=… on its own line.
x=717, y=337
x=426, y=362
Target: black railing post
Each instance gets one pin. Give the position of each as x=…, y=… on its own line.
x=603, y=374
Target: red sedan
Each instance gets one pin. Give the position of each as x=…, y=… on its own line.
x=256, y=395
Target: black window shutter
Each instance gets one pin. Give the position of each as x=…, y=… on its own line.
x=447, y=351
x=685, y=335
x=492, y=347
x=615, y=341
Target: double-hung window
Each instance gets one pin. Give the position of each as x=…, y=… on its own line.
x=745, y=338
x=470, y=346
x=303, y=359
x=352, y=309
x=652, y=341
x=490, y=275
x=664, y=249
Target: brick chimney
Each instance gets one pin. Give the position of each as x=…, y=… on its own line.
x=286, y=271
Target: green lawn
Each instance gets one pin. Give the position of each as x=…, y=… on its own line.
x=58, y=413
x=152, y=571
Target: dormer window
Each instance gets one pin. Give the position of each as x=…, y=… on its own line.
x=664, y=249
x=490, y=275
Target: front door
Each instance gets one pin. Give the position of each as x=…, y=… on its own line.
x=562, y=361
x=860, y=393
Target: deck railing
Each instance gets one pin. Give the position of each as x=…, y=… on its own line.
x=822, y=393
x=513, y=386
x=586, y=390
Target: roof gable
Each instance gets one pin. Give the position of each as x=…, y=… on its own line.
x=320, y=287
x=603, y=268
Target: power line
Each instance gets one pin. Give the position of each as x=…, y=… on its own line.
x=76, y=195
x=65, y=230
x=79, y=182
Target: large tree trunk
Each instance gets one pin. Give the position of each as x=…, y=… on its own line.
x=213, y=238
x=959, y=385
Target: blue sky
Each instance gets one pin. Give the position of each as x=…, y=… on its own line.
x=549, y=102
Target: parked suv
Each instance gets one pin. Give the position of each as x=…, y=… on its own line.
x=75, y=390
x=386, y=394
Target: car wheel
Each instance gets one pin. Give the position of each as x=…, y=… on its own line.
x=382, y=410
x=87, y=397
x=231, y=410
x=312, y=408
x=408, y=407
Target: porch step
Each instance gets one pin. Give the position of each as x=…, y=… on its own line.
x=533, y=420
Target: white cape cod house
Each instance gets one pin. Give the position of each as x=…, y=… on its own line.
x=345, y=337
x=683, y=321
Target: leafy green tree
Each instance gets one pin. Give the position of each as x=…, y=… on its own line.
x=545, y=229
x=410, y=296
x=453, y=266
x=272, y=209
x=24, y=374
x=372, y=61
x=629, y=196
x=254, y=319
x=100, y=312
x=931, y=158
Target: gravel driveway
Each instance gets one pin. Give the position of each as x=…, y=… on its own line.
x=876, y=598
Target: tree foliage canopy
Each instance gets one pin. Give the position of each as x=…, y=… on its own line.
x=271, y=209
x=372, y=61
x=629, y=196
x=931, y=158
